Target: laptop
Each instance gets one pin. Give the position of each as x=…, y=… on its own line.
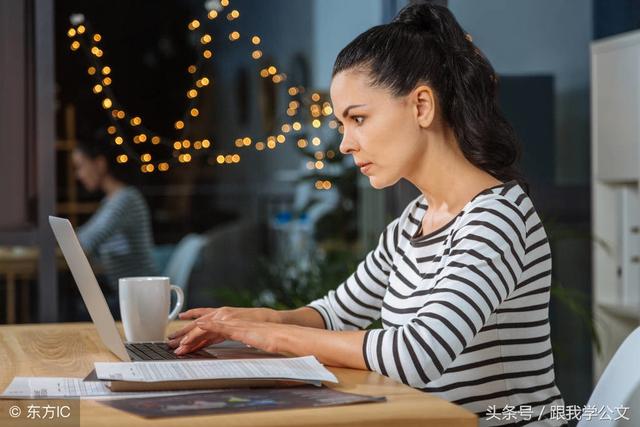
x=97, y=305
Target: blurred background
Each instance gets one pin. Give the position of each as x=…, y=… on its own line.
x=217, y=113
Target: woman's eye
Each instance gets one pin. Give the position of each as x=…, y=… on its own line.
x=358, y=119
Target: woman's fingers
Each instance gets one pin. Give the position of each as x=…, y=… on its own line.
x=180, y=333
x=194, y=313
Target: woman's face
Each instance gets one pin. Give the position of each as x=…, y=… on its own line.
x=90, y=172
x=381, y=130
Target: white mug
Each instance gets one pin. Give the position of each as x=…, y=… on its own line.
x=144, y=304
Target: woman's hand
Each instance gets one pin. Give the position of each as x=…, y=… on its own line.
x=191, y=338
x=265, y=336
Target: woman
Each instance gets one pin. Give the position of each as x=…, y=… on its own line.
x=119, y=234
x=461, y=279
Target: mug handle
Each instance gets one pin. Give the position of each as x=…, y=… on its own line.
x=179, y=302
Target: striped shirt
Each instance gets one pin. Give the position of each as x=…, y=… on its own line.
x=464, y=309
x=119, y=236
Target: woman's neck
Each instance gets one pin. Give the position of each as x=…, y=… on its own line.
x=446, y=178
x=110, y=185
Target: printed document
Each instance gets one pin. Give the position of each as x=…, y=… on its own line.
x=296, y=368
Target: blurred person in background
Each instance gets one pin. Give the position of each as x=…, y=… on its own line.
x=119, y=234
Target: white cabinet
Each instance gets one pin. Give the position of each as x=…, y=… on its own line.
x=615, y=150
x=615, y=103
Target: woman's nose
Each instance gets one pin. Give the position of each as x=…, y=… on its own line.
x=347, y=146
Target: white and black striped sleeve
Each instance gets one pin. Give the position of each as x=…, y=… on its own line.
x=103, y=224
x=482, y=269
x=356, y=303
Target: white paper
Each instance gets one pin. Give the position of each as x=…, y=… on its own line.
x=52, y=387
x=297, y=368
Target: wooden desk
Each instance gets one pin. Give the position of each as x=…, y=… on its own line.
x=69, y=349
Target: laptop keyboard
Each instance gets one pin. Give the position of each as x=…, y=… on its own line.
x=160, y=351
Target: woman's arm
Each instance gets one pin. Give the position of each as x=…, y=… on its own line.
x=334, y=348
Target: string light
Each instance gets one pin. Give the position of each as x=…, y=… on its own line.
x=122, y=158
x=220, y=159
x=269, y=72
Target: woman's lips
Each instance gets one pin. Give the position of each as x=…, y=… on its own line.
x=364, y=167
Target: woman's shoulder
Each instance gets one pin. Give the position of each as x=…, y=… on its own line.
x=129, y=197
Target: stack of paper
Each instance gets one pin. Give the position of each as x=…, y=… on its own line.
x=207, y=374
x=63, y=387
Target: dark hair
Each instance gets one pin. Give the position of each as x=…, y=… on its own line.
x=100, y=146
x=425, y=44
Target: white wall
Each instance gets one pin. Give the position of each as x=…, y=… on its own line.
x=542, y=36
x=336, y=23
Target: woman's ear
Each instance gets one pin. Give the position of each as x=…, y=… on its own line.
x=424, y=100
